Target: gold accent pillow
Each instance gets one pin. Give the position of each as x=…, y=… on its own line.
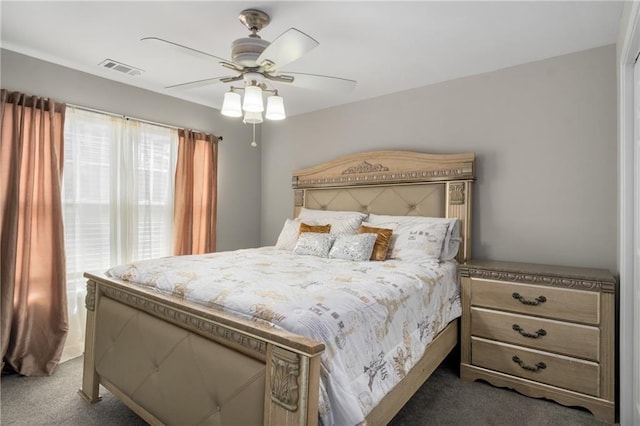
x=382, y=241
x=323, y=229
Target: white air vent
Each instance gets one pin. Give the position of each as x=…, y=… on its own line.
x=120, y=67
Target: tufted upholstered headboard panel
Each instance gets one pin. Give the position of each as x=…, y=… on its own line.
x=401, y=183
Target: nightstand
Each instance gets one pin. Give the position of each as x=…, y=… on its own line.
x=545, y=331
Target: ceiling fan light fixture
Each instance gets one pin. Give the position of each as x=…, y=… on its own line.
x=252, y=99
x=275, y=108
x=231, y=106
x=252, y=117
x=258, y=63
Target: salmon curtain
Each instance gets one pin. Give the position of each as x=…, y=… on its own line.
x=195, y=203
x=34, y=299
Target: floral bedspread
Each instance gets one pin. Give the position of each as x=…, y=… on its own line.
x=375, y=318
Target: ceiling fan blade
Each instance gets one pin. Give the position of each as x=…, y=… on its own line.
x=322, y=82
x=184, y=49
x=200, y=83
x=289, y=46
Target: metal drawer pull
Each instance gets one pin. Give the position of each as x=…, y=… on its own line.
x=539, y=366
x=537, y=301
x=539, y=333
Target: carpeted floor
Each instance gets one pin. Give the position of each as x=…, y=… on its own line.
x=443, y=400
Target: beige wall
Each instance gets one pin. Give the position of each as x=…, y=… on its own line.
x=545, y=138
x=239, y=164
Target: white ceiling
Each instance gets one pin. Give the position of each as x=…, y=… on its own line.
x=386, y=46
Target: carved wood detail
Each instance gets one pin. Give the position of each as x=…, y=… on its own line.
x=365, y=167
x=285, y=369
x=90, y=298
x=298, y=198
x=376, y=179
x=456, y=193
x=607, y=287
x=386, y=167
x=179, y=317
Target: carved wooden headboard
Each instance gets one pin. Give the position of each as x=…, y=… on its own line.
x=401, y=183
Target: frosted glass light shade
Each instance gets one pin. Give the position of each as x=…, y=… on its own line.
x=252, y=117
x=275, y=108
x=231, y=105
x=253, y=99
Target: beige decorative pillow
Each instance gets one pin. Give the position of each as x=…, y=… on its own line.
x=289, y=235
x=383, y=240
x=322, y=229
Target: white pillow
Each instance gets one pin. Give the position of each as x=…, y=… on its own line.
x=452, y=239
x=419, y=241
x=356, y=247
x=288, y=235
x=452, y=242
x=342, y=222
x=314, y=244
x=306, y=213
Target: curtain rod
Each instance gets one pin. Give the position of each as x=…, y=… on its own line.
x=127, y=117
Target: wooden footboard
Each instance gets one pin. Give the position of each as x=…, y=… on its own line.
x=173, y=362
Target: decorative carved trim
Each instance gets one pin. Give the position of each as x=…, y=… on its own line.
x=607, y=287
x=298, y=198
x=365, y=167
x=285, y=369
x=387, y=177
x=183, y=318
x=386, y=167
x=456, y=193
x=90, y=298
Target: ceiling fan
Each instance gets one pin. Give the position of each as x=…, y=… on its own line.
x=257, y=61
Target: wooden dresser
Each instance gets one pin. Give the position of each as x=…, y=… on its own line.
x=545, y=331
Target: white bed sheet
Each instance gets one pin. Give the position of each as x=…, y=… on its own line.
x=375, y=318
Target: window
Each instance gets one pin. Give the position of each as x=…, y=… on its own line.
x=117, y=199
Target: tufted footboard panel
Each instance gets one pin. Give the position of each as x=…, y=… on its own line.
x=179, y=377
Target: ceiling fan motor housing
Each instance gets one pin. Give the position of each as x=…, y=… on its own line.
x=245, y=51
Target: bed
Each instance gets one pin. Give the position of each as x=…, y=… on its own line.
x=174, y=360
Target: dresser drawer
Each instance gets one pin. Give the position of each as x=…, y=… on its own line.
x=556, y=370
x=582, y=341
x=558, y=303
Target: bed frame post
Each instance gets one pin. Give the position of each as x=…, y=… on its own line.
x=458, y=204
x=291, y=388
x=90, y=379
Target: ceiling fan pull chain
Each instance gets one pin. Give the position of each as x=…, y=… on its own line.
x=253, y=143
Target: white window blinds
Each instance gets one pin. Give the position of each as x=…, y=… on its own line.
x=117, y=199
